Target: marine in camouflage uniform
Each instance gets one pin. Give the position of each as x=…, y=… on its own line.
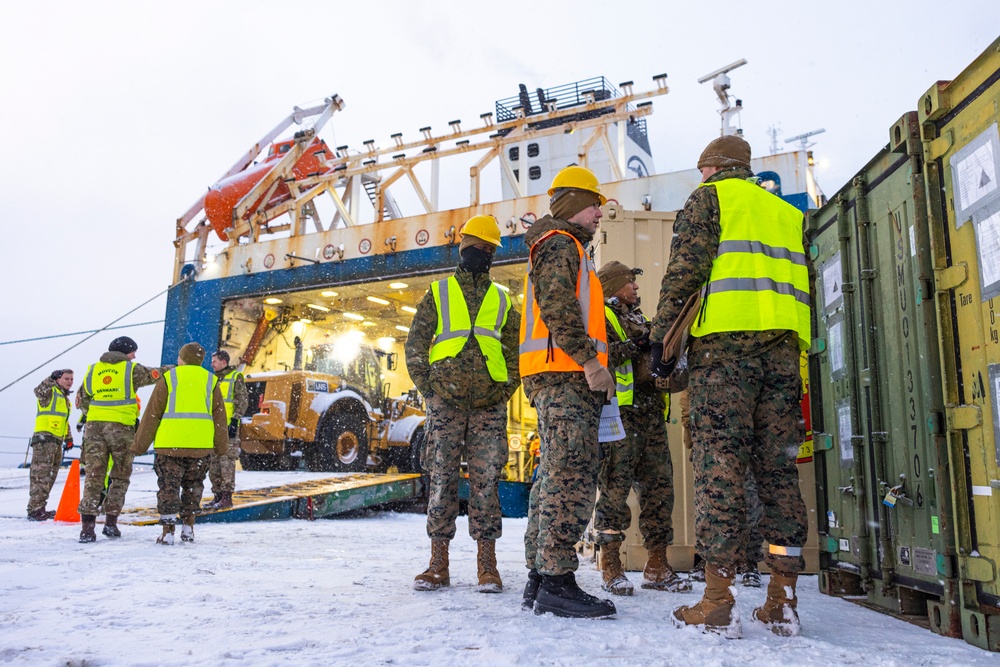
x=106, y=440
x=745, y=415
x=222, y=469
x=569, y=402
x=466, y=413
x=642, y=459
x=47, y=447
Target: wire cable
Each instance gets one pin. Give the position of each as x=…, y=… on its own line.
x=80, y=333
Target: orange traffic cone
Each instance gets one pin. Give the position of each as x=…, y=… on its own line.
x=69, y=503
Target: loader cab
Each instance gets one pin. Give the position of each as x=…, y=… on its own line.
x=361, y=368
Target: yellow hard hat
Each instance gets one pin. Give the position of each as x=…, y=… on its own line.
x=483, y=227
x=580, y=178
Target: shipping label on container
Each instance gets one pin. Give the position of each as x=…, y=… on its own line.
x=974, y=174
x=994, y=372
x=987, y=225
x=835, y=346
x=845, y=437
x=833, y=296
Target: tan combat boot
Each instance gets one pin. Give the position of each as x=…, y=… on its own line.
x=436, y=575
x=615, y=581
x=778, y=611
x=486, y=561
x=168, y=533
x=658, y=574
x=716, y=611
x=187, y=529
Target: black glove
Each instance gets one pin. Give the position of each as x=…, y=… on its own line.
x=658, y=368
x=234, y=427
x=79, y=424
x=641, y=342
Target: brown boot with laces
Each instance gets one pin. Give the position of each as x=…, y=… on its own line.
x=615, y=581
x=659, y=576
x=436, y=575
x=778, y=612
x=716, y=611
x=486, y=562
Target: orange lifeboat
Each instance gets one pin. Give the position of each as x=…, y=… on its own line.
x=223, y=197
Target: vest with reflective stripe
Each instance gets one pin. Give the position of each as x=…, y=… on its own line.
x=539, y=352
x=53, y=417
x=454, y=325
x=187, y=421
x=112, y=394
x=226, y=386
x=759, y=280
x=624, y=378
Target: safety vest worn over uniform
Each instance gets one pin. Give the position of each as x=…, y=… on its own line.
x=759, y=280
x=112, y=395
x=624, y=377
x=539, y=352
x=454, y=325
x=227, y=386
x=187, y=421
x=53, y=417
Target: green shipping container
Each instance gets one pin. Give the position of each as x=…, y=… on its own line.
x=961, y=143
x=884, y=503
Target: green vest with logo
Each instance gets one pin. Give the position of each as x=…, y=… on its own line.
x=53, y=417
x=112, y=394
x=624, y=377
x=454, y=325
x=187, y=420
x=226, y=386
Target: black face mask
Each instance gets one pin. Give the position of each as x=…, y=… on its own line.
x=475, y=260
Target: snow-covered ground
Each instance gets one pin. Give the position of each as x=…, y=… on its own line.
x=337, y=592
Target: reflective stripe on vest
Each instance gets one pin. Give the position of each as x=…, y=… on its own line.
x=759, y=279
x=53, y=417
x=187, y=422
x=538, y=351
x=624, y=378
x=226, y=386
x=112, y=394
x=454, y=325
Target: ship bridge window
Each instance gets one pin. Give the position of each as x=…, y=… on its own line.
x=534, y=173
x=514, y=153
x=770, y=181
x=532, y=150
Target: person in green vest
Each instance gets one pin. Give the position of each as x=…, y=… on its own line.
x=51, y=437
x=222, y=469
x=110, y=412
x=640, y=461
x=462, y=355
x=744, y=249
x=185, y=420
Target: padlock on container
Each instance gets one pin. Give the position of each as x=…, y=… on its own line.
x=611, y=429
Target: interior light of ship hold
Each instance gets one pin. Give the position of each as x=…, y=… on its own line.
x=398, y=285
x=328, y=293
x=305, y=320
x=409, y=309
x=314, y=306
x=400, y=327
x=381, y=302
x=385, y=343
x=272, y=300
x=367, y=323
x=347, y=347
x=354, y=316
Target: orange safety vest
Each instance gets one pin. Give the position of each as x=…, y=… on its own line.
x=539, y=352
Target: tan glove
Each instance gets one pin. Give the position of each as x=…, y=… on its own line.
x=599, y=378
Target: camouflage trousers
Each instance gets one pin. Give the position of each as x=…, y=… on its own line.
x=101, y=441
x=640, y=461
x=562, y=497
x=46, y=456
x=479, y=437
x=181, y=481
x=751, y=522
x=746, y=416
x=222, y=469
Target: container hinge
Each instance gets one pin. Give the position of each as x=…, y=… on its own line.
x=940, y=145
x=847, y=287
x=925, y=290
x=935, y=423
x=963, y=417
x=846, y=489
x=880, y=436
x=818, y=346
x=995, y=483
x=951, y=277
x=822, y=441
x=869, y=274
x=975, y=568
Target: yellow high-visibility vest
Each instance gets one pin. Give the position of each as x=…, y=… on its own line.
x=226, y=386
x=624, y=377
x=454, y=325
x=53, y=417
x=759, y=279
x=187, y=421
x=112, y=393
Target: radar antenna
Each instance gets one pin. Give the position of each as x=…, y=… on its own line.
x=803, y=139
x=720, y=82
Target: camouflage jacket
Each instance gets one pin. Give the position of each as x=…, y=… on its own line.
x=462, y=381
x=634, y=324
x=240, y=400
x=692, y=252
x=43, y=392
x=153, y=415
x=554, y=270
x=141, y=377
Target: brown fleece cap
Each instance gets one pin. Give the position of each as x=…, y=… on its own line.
x=613, y=276
x=728, y=151
x=467, y=240
x=567, y=202
x=192, y=354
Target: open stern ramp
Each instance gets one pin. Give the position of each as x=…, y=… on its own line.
x=315, y=499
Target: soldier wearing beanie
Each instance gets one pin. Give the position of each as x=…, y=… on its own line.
x=222, y=469
x=110, y=412
x=642, y=459
x=744, y=248
x=564, y=368
x=186, y=417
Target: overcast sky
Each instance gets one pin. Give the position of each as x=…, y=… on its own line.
x=119, y=114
